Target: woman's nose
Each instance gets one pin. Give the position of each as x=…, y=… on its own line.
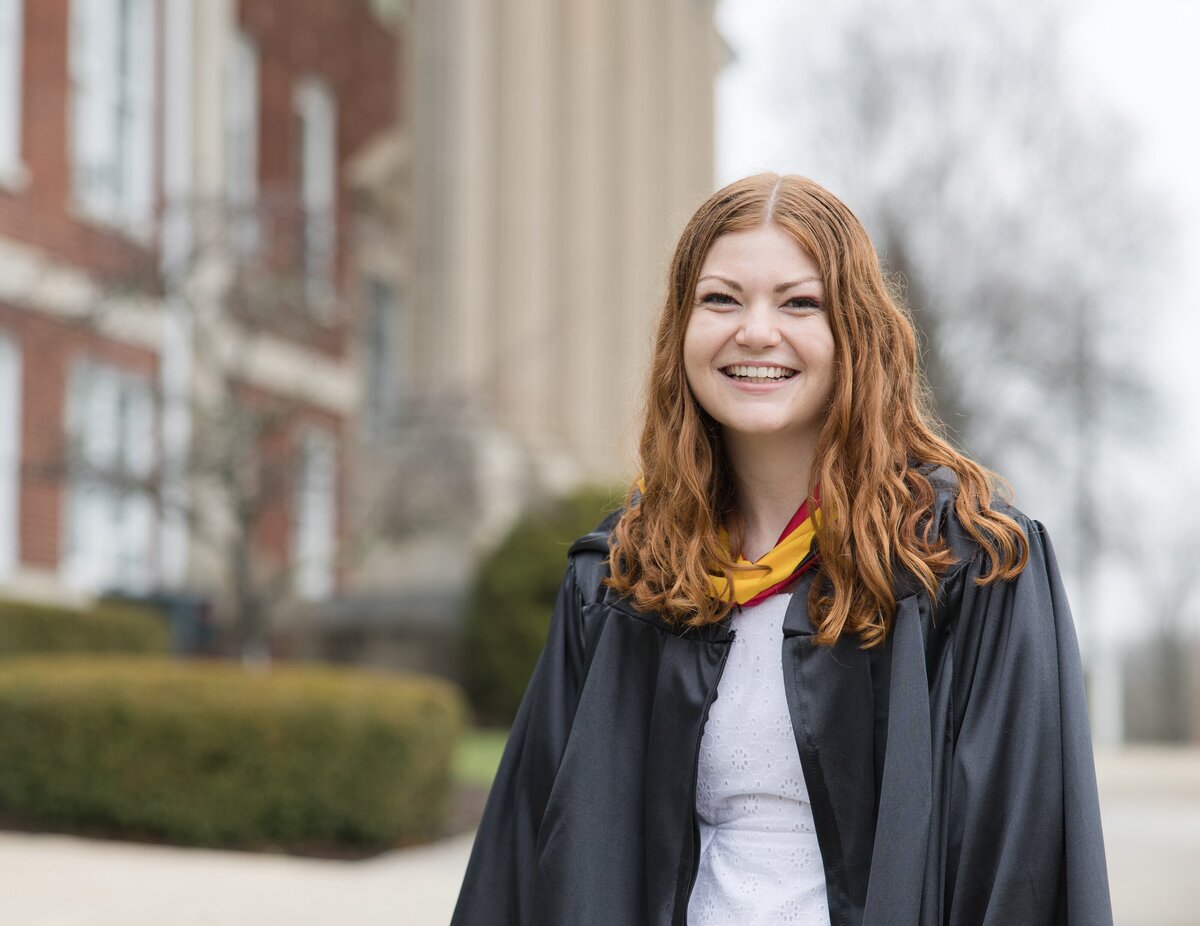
x=757, y=328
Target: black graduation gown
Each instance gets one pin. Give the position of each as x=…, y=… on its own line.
x=950, y=770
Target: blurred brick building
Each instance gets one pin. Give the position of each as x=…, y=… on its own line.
x=301, y=301
x=180, y=293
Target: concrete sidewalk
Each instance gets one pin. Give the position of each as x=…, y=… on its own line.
x=1150, y=803
x=63, y=881
x=1150, y=799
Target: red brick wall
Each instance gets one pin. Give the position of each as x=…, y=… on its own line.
x=341, y=42
x=345, y=45
x=48, y=346
x=42, y=214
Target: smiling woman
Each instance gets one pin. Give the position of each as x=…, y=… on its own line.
x=816, y=670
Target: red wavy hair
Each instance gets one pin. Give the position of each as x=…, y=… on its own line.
x=877, y=505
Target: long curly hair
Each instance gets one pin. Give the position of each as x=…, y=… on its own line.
x=878, y=431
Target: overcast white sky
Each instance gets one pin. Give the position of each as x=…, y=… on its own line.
x=1142, y=57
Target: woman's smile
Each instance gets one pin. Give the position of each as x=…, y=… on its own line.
x=754, y=374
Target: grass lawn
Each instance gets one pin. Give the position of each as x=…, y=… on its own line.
x=478, y=756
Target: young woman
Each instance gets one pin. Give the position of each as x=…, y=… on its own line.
x=815, y=671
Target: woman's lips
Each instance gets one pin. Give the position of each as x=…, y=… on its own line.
x=758, y=374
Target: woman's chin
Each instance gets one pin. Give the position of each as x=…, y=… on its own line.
x=772, y=432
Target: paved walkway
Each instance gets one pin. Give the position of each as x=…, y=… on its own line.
x=1151, y=802
x=62, y=881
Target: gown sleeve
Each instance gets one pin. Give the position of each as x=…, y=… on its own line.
x=1024, y=837
x=498, y=887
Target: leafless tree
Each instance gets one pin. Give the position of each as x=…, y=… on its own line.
x=1005, y=202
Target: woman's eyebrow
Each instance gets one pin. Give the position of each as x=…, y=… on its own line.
x=784, y=287
x=781, y=288
x=732, y=284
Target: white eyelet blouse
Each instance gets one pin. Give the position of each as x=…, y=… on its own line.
x=759, y=858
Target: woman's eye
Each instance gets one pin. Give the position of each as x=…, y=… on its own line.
x=804, y=302
x=718, y=299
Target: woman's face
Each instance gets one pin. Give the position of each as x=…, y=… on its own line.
x=758, y=349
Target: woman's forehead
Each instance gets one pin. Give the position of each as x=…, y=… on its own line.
x=764, y=255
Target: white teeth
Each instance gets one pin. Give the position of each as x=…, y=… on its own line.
x=759, y=373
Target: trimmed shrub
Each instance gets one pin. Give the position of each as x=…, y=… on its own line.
x=211, y=754
x=27, y=628
x=510, y=604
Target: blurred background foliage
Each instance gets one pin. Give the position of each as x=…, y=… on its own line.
x=207, y=754
x=514, y=595
x=28, y=628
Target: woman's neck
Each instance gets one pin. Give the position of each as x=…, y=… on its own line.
x=772, y=479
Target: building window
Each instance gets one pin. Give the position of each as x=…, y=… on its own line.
x=317, y=117
x=381, y=325
x=314, y=520
x=112, y=85
x=241, y=145
x=10, y=453
x=10, y=91
x=112, y=521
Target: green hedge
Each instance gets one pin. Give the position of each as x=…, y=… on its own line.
x=27, y=629
x=211, y=754
x=514, y=592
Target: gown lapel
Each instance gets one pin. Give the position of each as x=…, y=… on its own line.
x=898, y=860
x=863, y=731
